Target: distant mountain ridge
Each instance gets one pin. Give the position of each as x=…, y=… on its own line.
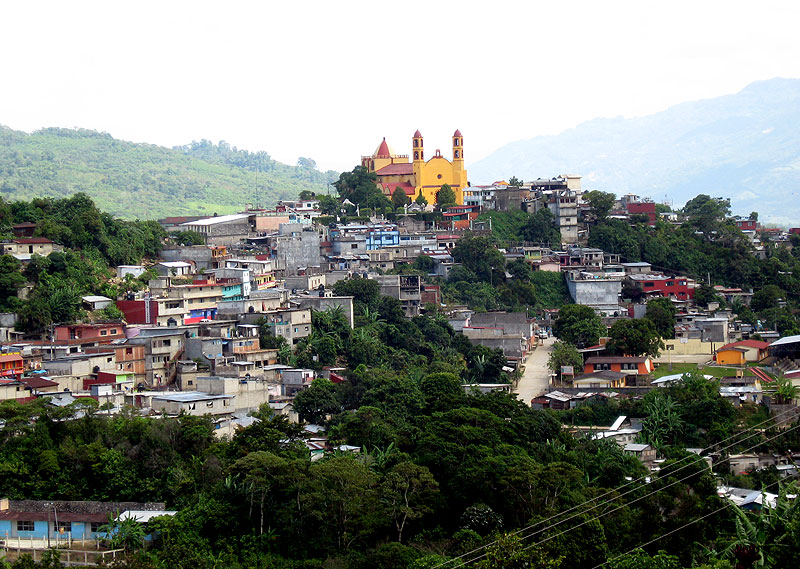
x=744, y=146
x=146, y=181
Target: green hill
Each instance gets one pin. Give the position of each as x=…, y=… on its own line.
x=143, y=180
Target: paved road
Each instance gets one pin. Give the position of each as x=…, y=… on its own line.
x=536, y=376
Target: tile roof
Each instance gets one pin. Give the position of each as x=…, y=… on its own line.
x=396, y=169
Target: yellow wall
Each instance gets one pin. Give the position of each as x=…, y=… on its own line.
x=431, y=175
x=730, y=357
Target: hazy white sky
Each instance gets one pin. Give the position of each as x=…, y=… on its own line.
x=328, y=80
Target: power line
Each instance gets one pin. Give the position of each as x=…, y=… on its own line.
x=640, y=498
x=726, y=505
x=616, y=490
x=618, y=507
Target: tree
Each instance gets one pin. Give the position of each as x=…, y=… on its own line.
x=704, y=294
x=360, y=187
x=258, y=471
x=785, y=391
x=10, y=280
x=765, y=298
x=399, y=198
x=479, y=255
x=317, y=402
x=445, y=196
x=514, y=182
x=564, y=354
x=420, y=200
x=540, y=228
x=635, y=338
x=600, y=203
x=365, y=292
x=306, y=163
x=578, y=325
x=661, y=312
x=706, y=213
x=407, y=492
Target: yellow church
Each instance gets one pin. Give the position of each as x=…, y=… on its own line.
x=418, y=176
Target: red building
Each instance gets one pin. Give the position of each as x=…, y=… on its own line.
x=643, y=208
x=662, y=285
x=747, y=224
x=99, y=333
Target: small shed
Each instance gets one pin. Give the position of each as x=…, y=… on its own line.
x=94, y=302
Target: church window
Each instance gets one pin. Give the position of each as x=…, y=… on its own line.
x=416, y=143
x=416, y=156
x=458, y=153
x=455, y=142
x=439, y=177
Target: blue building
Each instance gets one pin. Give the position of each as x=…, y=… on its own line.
x=55, y=520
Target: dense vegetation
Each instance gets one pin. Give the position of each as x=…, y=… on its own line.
x=94, y=242
x=143, y=180
x=485, y=281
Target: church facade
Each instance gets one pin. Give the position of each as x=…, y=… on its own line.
x=416, y=176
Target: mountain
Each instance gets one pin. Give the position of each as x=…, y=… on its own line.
x=744, y=146
x=146, y=181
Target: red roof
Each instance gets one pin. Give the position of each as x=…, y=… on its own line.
x=389, y=187
x=457, y=133
x=32, y=240
x=746, y=344
x=35, y=382
x=383, y=150
x=396, y=169
x=418, y=134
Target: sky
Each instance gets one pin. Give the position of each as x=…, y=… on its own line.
x=328, y=80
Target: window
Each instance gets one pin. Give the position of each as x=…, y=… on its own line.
x=210, y=404
x=670, y=283
x=167, y=342
x=104, y=332
x=128, y=351
x=649, y=284
x=191, y=406
x=226, y=402
x=354, y=246
x=96, y=526
x=62, y=527
x=113, y=331
x=24, y=526
x=190, y=382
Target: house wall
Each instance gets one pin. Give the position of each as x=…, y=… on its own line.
x=595, y=293
x=731, y=357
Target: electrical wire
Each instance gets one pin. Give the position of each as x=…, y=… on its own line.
x=726, y=505
x=583, y=523
x=614, y=491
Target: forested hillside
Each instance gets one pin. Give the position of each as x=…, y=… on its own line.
x=146, y=181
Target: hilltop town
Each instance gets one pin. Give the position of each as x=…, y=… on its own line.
x=400, y=373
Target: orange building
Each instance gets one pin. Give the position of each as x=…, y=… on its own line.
x=11, y=365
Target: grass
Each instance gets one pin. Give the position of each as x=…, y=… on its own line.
x=663, y=369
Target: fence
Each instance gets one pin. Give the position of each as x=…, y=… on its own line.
x=14, y=547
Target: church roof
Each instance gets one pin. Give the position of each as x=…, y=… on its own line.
x=457, y=133
x=396, y=169
x=389, y=187
x=383, y=150
x=418, y=134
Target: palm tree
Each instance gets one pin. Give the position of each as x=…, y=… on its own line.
x=785, y=391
